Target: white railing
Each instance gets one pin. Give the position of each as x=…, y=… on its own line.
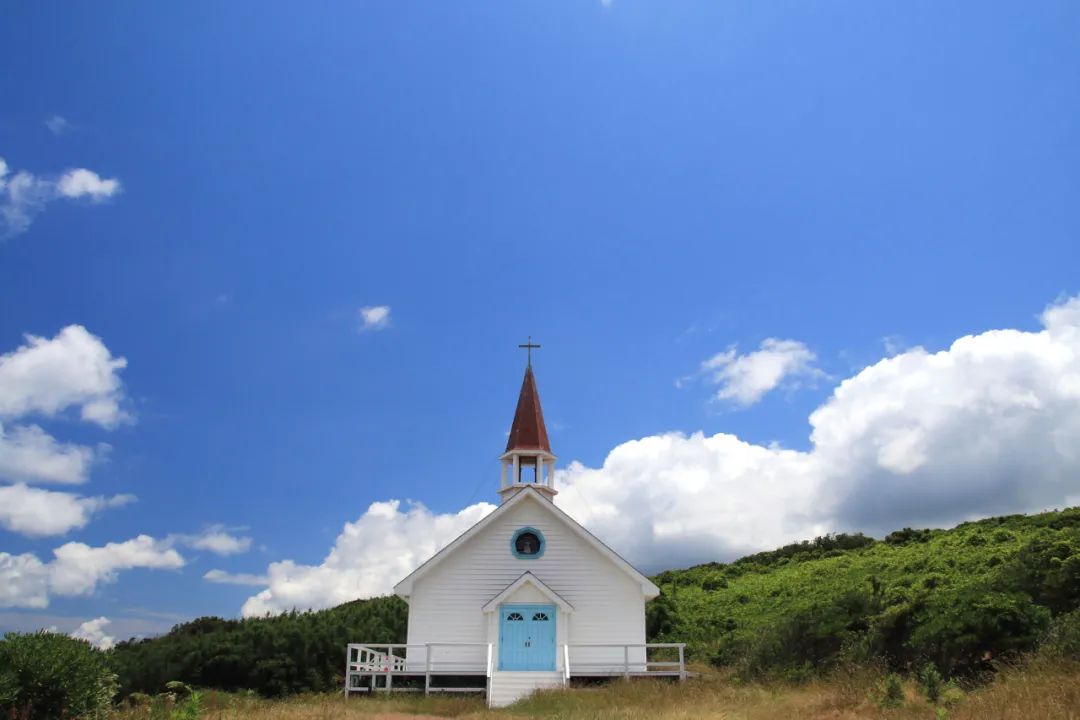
x=626, y=659
x=392, y=659
x=581, y=659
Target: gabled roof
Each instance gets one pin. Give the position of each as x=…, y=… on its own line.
x=527, y=431
x=527, y=578
x=528, y=494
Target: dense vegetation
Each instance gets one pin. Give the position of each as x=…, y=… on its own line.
x=958, y=598
x=47, y=675
x=274, y=656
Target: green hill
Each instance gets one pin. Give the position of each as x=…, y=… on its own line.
x=958, y=597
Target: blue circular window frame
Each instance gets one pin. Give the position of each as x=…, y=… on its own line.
x=521, y=531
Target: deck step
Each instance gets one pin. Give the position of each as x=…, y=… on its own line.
x=509, y=687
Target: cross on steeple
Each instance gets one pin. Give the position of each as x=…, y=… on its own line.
x=529, y=347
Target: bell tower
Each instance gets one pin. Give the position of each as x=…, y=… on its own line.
x=528, y=460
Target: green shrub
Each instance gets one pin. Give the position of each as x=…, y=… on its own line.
x=46, y=675
x=962, y=631
x=188, y=703
x=1062, y=639
x=931, y=682
x=889, y=693
x=1048, y=569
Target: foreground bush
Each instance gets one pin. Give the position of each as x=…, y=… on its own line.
x=46, y=675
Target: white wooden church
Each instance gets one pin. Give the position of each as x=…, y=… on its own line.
x=525, y=599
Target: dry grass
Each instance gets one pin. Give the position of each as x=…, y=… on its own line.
x=1041, y=689
x=1038, y=691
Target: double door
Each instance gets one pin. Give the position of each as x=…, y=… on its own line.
x=526, y=637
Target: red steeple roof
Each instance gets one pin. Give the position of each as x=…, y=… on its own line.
x=528, y=431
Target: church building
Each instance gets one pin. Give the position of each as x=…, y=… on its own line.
x=527, y=595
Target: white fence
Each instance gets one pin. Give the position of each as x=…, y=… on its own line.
x=608, y=659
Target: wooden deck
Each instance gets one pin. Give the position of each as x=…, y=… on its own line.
x=373, y=667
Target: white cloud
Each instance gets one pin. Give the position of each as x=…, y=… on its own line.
x=745, y=379
x=36, y=512
x=23, y=195
x=990, y=425
x=83, y=183
x=216, y=539
x=24, y=581
x=93, y=631
x=29, y=454
x=45, y=377
x=77, y=569
x=374, y=317
x=226, y=578
x=73, y=369
x=57, y=124
x=370, y=555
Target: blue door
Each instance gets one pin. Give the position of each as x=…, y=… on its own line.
x=527, y=637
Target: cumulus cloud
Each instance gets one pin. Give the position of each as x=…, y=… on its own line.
x=23, y=195
x=77, y=569
x=676, y=500
x=47, y=377
x=745, y=379
x=989, y=425
x=216, y=539
x=374, y=317
x=74, y=369
x=83, y=183
x=36, y=512
x=370, y=555
x=29, y=454
x=93, y=631
x=222, y=577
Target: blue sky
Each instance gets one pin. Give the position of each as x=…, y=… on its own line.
x=642, y=187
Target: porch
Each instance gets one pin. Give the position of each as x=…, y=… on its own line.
x=374, y=668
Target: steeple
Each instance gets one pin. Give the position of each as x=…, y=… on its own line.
x=528, y=451
x=527, y=431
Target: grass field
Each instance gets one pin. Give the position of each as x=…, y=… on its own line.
x=1036, y=691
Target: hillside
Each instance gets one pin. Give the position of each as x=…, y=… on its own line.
x=958, y=597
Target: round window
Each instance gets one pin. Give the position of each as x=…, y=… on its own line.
x=527, y=543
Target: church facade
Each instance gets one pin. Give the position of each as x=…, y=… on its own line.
x=527, y=593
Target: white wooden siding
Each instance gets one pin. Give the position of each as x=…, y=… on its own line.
x=445, y=604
